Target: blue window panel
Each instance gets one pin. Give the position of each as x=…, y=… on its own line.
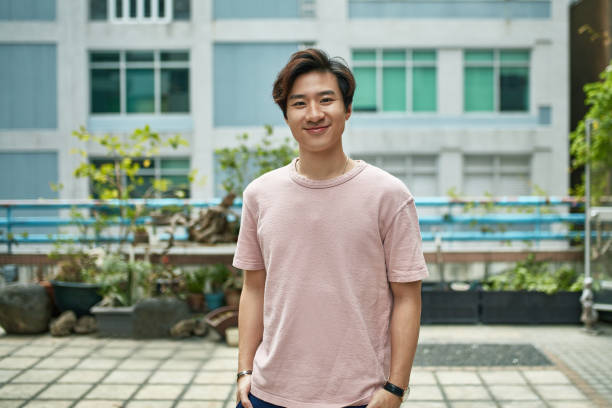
x=19, y=10
x=28, y=79
x=544, y=115
x=228, y=9
x=450, y=9
x=27, y=175
x=243, y=78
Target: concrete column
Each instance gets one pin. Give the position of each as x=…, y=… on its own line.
x=450, y=82
x=72, y=92
x=201, y=93
x=450, y=170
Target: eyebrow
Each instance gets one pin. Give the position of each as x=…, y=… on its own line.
x=301, y=96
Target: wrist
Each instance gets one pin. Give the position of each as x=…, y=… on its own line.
x=400, y=392
x=243, y=373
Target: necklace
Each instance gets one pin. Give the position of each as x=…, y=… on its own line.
x=343, y=170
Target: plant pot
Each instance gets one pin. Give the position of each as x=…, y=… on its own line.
x=530, y=307
x=232, y=297
x=448, y=306
x=75, y=296
x=222, y=318
x=196, y=302
x=214, y=300
x=114, y=321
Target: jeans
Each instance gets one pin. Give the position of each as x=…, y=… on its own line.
x=258, y=403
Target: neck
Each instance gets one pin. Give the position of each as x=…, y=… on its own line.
x=322, y=166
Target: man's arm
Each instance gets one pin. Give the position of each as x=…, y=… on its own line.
x=250, y=317
x=405, y=324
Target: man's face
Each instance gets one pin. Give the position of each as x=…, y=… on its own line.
x=315, y=111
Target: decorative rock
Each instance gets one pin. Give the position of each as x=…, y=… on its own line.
x=24, y=308
x=85, y=325
x=153, y=318
x=201, y=328
x=183, y=328
x=63, y=325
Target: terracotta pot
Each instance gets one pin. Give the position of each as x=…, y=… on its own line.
x=196, y=302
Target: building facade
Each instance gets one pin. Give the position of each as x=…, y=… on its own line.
x=469, y=97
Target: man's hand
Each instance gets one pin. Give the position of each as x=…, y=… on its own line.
x=384, y=399
x=242, y=391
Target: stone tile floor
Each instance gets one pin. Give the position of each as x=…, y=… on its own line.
x=86, y=371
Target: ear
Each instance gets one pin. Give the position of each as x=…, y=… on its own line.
x=348, y=112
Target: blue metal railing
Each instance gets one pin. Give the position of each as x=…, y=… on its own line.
x=492, y=225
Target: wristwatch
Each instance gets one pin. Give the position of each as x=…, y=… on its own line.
x=399, y=391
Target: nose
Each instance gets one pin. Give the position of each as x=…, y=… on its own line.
x=314, y=112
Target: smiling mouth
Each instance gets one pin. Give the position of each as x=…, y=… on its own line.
x=317, y=129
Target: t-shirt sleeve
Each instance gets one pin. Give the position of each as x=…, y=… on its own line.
x=403, y=248
x=248, y=252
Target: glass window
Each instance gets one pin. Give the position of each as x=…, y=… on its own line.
x=496, y=174
x=140, y=71
x=181, y=10
x=175, y=90
x=98, y=9
x=395, y=80
x=365, y=92
x=478, y=89
x=105, y=91
x=140, y=90
x=496, y=80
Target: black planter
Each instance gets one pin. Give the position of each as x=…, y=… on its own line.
x=75, y=296
x=447, y=306
x=530, y=307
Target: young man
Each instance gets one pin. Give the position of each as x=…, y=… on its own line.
x=331, y=248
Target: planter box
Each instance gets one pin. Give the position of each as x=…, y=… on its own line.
x=447, y=306
x=149, y=318
x=114, y=321
x=530, y=307
x=78, y=297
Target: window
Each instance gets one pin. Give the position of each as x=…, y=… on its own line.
x=139, y=81
x=243, y=74
x=174, y=170
x=139, y=11
x=496, y=80
x=496, y=175
x=395, y=80
x=418, y=172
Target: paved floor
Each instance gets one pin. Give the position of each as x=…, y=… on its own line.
x=85, y=371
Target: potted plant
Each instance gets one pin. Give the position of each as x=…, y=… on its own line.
x=232, y=287
x=194, y=283
x=122, y=284
x=532, y=293
x=75, y=286
x=216, y=276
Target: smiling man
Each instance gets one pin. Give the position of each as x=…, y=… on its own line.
x=331, y=249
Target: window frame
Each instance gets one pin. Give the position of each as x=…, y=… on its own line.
x=408, y=64
x=496, y=64
x=157, y=65
x=496, y=169
x=140, y=18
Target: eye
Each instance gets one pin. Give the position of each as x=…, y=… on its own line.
x=298, y=104
x=325, y=100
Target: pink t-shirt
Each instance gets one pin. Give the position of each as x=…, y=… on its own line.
x=329, y=248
